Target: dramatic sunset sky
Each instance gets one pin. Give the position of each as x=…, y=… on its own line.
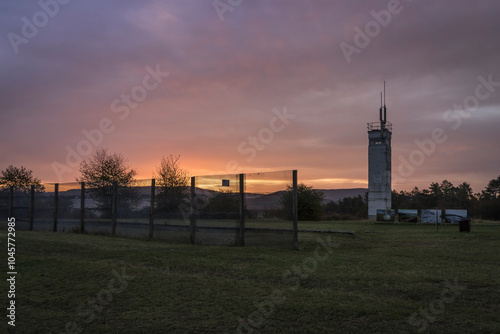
x=233, y=67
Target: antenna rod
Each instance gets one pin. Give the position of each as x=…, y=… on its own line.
x=385, y=109
x=384, y=92
x=380, y=110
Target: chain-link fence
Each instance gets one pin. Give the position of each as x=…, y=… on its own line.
x=234, y=209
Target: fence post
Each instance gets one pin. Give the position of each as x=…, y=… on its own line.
x=152, y=208
x=192, y=216
x=295, y=242
x=437, y=225
x=114, y=208
x=56, y=206
x=241, y=234
x=11, y=201
x=32, y=206
x=82, y=208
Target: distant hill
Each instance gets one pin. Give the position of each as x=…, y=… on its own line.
x=253, y=201
x=257, y=201
x=338, y=194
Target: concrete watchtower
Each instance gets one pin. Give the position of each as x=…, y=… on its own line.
x=379, y=163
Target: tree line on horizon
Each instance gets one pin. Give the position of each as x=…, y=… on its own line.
x=103, y=174
x=444, y=195
x=104, y=170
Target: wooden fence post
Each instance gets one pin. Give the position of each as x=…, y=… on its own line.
x=295, y=242
x=114, y=208
x=152, y=208
x=56, y=206
x=11, y=201
x=193, y=213
x=82, y=208
x=32, y=206
x=241, y=234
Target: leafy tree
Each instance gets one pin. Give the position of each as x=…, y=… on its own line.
x=172, y=183
x=492, y=190
x=20, y=178
x=100, y=172
x=223, y=205
x=347, y=208
x=435, y=194
x=414, y=199
x=465, y=196
x=447, y=189
x=447, y=195
x=309, y=203
x=489, y=200
x=485, y=205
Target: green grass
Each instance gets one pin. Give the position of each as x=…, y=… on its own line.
x=370, y=283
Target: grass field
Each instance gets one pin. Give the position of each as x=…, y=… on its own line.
x=388, y=278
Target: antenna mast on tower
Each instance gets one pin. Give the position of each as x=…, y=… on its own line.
x=385, y=108
x=382, y=113
x=379, y=162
